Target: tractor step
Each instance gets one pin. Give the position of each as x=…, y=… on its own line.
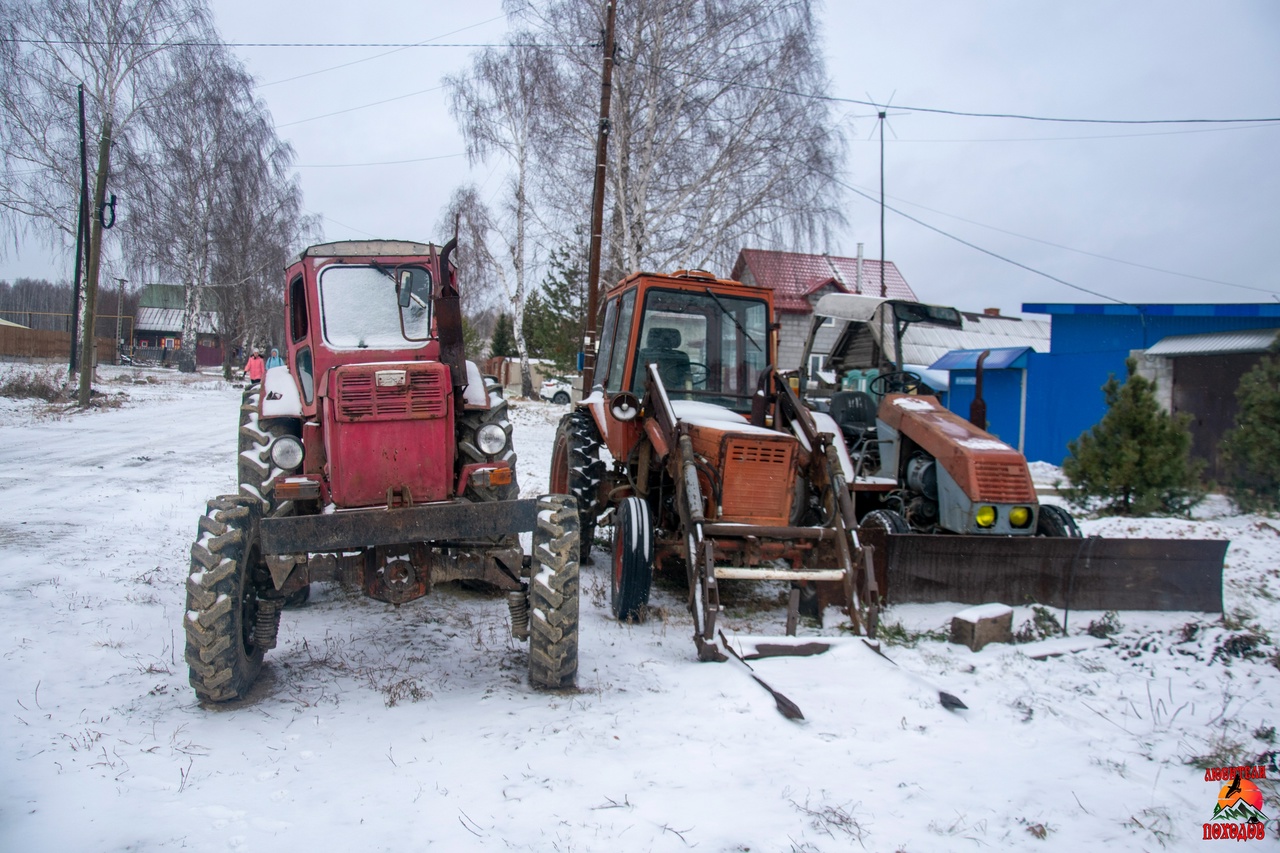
x=735, y=573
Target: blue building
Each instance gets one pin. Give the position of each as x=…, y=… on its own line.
x=1196, y=353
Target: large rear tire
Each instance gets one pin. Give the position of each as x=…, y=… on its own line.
x=576, y=470
x=1057, y=522
x=256, y=473
x=632, y=574
x=221, y=619
x=553, y=595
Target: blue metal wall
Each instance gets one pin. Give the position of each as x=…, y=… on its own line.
x=1064, y=398
x=1002, y=390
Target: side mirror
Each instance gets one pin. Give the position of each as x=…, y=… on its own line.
x=404, y=288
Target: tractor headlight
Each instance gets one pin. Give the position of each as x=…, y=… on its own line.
x=491, y=438
x=286, y=452
x=985, y=516
x=1020, y=516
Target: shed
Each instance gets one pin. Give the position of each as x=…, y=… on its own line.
x=1004, y=388
x=1090, y=342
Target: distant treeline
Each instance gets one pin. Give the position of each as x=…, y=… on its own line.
x=41, y=304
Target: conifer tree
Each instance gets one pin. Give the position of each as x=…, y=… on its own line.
x=1136, y=460
x=1252, y=449
x=504, y=341
x=553, y=318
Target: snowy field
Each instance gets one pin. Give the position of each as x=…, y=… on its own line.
x=382, y=728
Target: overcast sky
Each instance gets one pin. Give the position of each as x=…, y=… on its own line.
x=1095, y=205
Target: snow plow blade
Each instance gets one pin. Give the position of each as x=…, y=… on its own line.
x=1080, y=574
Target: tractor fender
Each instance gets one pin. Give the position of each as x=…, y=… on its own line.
x=279, y=395
x=475, y=396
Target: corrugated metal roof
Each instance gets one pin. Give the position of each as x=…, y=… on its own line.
x=924, y=344
x=999, y=358
x=1215, y=343
x=170, y=320
x=792, y=276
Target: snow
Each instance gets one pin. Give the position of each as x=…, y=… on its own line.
x=984, y=444
x=376, y=727
x=914, y=404
x=979, y=612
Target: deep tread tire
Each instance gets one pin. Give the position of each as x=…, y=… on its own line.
x=1057, y=522
x=886, y=520
x=221, y=610
x=553, y=595
x=632, y=574
x=257, y=475
x=576, y=470
x=470, y=454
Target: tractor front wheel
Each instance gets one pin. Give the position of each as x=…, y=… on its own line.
x=553, y=595
x=632, y=573
x=222, y=619
x=1057, y=522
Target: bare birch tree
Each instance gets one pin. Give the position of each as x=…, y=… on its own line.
x=113, y=47
x=496, y=104
x=216, y=208
x=716, y=140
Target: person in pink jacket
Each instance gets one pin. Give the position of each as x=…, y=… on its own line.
x=255, y=368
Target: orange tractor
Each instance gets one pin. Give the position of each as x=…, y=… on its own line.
x=717, y=469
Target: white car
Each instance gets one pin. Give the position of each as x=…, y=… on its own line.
x=556, y=390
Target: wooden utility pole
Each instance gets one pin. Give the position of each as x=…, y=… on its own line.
x=88, y=341
x=589, y=344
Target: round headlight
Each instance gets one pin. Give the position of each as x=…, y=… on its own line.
x=985, y=516
x=491, y=438
x=1020, y=516
x=625, y=407
x=286, y=452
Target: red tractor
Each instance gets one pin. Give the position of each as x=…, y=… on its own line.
x=376, y=456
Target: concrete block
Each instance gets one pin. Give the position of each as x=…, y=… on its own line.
x=987, y=623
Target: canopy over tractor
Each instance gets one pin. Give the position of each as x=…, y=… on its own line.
x=378, y=457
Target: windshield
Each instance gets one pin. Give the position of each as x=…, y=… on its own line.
x=359, y=309
x=707, y=347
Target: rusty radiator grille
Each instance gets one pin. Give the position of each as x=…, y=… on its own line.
x=423, y=395
x=757, y=480
x=1001, y=482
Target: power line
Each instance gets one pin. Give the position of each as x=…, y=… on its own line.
x=937, y=230
x=380, y=163
x=940, y=111
x=361, y=107
x=1082, y=251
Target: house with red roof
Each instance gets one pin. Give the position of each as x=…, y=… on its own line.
x=798, y=281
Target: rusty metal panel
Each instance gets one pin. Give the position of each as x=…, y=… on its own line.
x=342, y=531
x=1083, y=574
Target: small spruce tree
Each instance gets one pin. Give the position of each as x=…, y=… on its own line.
x=504, y=338
x=1252, y=450
x=1136, y=460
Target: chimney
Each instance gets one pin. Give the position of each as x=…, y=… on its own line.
x=991, y=312
x=857, y=288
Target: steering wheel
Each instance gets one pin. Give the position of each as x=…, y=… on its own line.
x=698, y=375
x=898, y=382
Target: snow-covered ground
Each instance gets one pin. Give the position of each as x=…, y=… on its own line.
x=376, y=727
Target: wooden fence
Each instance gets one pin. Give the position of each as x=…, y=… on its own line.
x=35, y=343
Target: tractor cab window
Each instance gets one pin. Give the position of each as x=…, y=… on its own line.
x=705, y=346
x=375, y=307
x=617, y=334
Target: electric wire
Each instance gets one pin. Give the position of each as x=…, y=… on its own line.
x=360, y=107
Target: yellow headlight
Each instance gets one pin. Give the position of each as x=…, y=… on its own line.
x=986, y=516
x=1020, y=516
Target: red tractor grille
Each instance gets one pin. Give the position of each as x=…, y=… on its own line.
x=421, y=394
x=1002, y=482
x=758, y=480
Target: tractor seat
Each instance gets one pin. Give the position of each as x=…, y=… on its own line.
x=855, y=413
x=660, y=349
